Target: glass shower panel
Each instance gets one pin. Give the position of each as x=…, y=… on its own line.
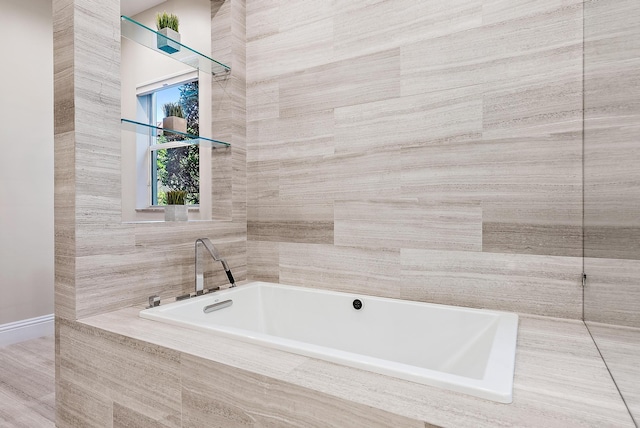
x=612, y=188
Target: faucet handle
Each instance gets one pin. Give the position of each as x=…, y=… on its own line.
x=154, y=301
x=230, y=276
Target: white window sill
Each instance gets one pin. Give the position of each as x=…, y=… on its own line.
x=160, y=209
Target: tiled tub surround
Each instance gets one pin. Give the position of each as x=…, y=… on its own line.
x=466, y=350
x=121, y=369
x=425, y=150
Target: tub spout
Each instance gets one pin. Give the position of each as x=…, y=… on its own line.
x=206, y=243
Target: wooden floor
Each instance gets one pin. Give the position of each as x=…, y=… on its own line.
x=27, y=384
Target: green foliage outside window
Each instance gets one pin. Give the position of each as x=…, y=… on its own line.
x=173, y=109
x=178, y=168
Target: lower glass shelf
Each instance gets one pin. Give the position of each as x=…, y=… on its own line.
x=155, y=131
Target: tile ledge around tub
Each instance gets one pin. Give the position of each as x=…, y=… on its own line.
x=548, y=348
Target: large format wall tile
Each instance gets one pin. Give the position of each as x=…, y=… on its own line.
x=612, y=153
x=529, y=190
x=542, y=285
x=298, y=136
x=78, y=406
x=455, y=60
x=262, y=100
x=402, y=223
x=213, y=395
x=612, y=293
x=522, y=237
x=373, y=174
x=263, y=260
x=282, y=57
x=614, y=241
x=612, y=126
x=135, y=374
x=538, y=109
x=427, y=125
x=365, y=27
x=124, y=417
x=383, y=125
x=263, y=181
x=349, y=82
x=291, y=221
x=528, y=41
x=372, y=271
x=502, y=170
x=496, y=11
x=262, y=18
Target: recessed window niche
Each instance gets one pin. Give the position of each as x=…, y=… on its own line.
x=148, y=79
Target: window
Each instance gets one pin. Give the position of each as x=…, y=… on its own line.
x=174, y=159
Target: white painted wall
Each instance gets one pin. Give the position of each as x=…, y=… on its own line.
x=26, y=161
x=140, y=66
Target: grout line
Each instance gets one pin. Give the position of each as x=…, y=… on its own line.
x=610, y=374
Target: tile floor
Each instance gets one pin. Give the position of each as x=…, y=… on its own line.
x=27, y=384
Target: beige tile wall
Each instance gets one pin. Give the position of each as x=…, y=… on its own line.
x=426, y=150
x=101, y=263
x=612, y=159
x=411, y=135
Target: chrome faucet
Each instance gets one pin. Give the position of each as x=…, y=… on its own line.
x=206, y=243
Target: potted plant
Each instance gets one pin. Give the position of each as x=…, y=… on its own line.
x=168, y=32
x=176, y=210
x=174, y=117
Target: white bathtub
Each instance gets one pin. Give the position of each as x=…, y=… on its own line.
x=466, y=350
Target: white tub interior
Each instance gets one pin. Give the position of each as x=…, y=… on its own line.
x=461, y=349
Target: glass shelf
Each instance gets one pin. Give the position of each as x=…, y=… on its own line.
x=139, y=33
x=154, y=131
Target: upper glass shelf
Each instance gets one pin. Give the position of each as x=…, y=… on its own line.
x=145, y=36
x=154, y=131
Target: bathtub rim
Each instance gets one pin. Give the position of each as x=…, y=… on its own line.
x=496, y=385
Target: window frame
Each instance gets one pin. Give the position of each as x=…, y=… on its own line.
x=146, y=153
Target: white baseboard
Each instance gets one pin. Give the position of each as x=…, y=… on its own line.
x=22, y=330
